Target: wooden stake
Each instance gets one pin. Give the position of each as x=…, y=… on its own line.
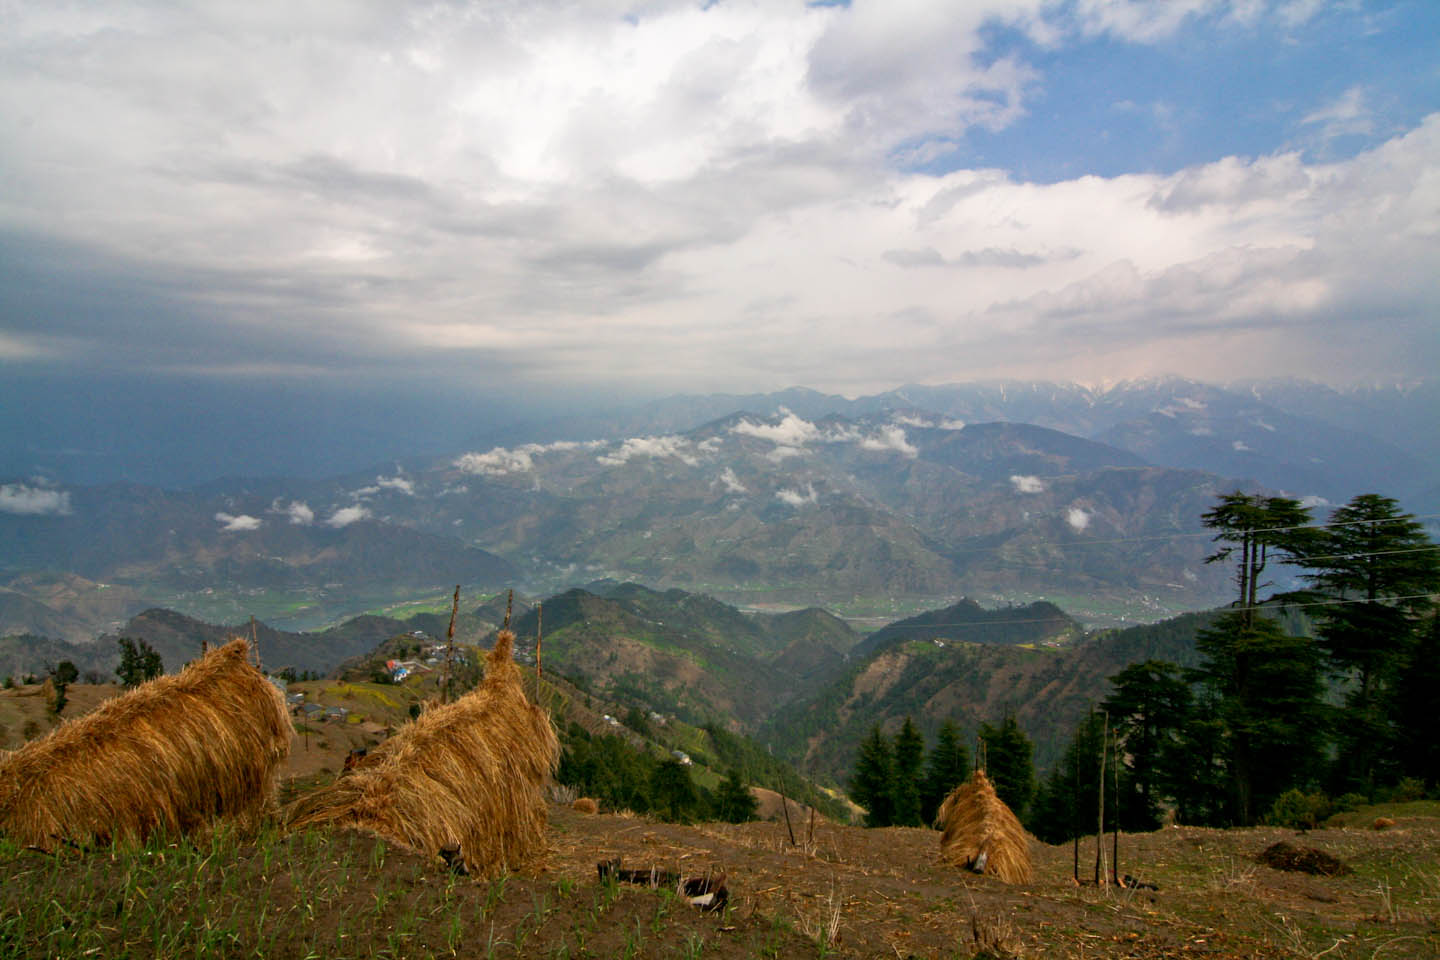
x=450, y=646
x=785, y=805
x=539, y=636
x=1115, y=818
x=1100, y=805
x=255, y=642
x=509, y=599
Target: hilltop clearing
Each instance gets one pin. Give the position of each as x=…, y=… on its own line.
x=843, y=892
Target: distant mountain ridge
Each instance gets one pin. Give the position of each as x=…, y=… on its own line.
x=904, y=499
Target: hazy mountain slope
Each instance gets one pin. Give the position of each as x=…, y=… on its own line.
x=969, y=681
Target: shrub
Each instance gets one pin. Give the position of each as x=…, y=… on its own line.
x=1300, y=810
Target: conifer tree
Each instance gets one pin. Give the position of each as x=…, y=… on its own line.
x=947, y=766
x=1266, y=686
x=909, y=756
x=734, y=803
x=1008, y=763
x=1149, y=710
x=871, y=787
x=1381, y=569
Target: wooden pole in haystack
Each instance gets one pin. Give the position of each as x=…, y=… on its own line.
x=450, y=646
x=462, y=781
x=539, y=637
x=255, y=642
x=509, y=599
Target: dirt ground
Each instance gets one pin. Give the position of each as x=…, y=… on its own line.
x=884, y=893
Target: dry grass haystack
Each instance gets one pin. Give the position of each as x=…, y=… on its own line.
x=171, y=755
x=585, y=805
x=982, y=834
x=467, y=774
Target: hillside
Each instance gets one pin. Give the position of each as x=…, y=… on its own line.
x=840, y=892
x=969, y=680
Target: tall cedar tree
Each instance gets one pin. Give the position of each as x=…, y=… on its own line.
x=1149, y=711
x=734, y=803
x=1008, y=763
x=909, y=756
x=138, y=662
x=672, y=792
x=871, y=787
x=1256, y=530
x=946, y=768
x=1415, y=751
x=1378, y=560
x=1267, y=688
x=1066, y=803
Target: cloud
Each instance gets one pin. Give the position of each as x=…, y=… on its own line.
x=1026, y=484
x=1240, y=446
x=298, y=511
x=1078, y=519
x=790, y=431
x=400, y=484
x=890, y=439
x=1346, y=115
x=31, y=501
x=682, y=196
x=234, y=524
x=797, y=498
x=500, y=461
x=496, y=463
x=730, y=482
x=654, y=447
x=344, y=516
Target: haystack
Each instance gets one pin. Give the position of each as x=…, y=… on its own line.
x=982, y=834
x=467, y=774
x=171, y=755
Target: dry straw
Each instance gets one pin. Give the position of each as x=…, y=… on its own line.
x=466, y=774
x=982, y=834
x=170, y=756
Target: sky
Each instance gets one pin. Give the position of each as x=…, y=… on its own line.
x=534, y=199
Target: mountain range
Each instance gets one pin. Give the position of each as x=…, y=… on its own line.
x=873, y=507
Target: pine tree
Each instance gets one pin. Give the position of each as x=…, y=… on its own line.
x=734, y=803
x=1415, y=749
x=1257, y=527
x=1149, y=711
x=1379, y=562
x=947, y=766
x=138, y=662
x=871, y=786
x=1008, y=763
x=1266, y=686
x=909, y=756
x=1066, y=804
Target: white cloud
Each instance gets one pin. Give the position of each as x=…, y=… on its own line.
x=1078, y=519
x=363, y=492
x=890, y=439
x=1346, y=115
x=790, y=431
x=233, y=524
x=654, y=447
x=730, y=482
x=345, y=516
x=1312, y=501
x=33, y=501
x=584, y=191
x=797, y=498
x=400, y=484
x=500, y=461
x=298, y=511
x=1240, y=446
x=1026, y=483
x=496, y=463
